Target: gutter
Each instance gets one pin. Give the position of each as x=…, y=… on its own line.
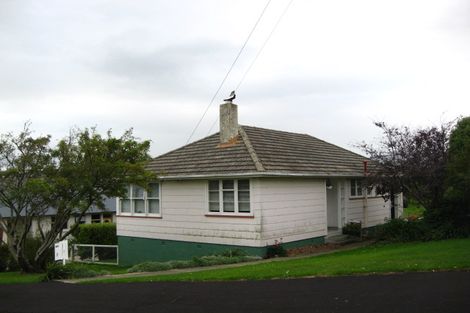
x=257, y=174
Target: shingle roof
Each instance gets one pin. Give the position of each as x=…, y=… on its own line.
x=259, y=151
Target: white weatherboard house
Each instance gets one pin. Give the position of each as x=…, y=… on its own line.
x=245, y=187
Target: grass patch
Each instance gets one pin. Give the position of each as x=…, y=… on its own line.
x=383, y=258
x=20, y=278
x=414, y=209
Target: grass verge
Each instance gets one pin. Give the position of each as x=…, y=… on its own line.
x=401, y=257
x=7, y=278
x=26, y=278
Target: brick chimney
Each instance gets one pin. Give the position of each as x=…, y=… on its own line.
x=228, y=121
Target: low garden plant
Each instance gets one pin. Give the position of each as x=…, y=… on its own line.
x=353, y=229
x=226, y=257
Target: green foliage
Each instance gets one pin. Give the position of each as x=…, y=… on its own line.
x=70, y=270
x=457, y=193
x=353, y=229
x=276, y=250
x=4, y=258
x=238, y=256
x=20, y=278
x=72, y=176
x=402, y=230
x=414, y=210
x=99, y=234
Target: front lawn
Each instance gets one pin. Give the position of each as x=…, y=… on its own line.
x=414, y=209
x=20, y=278
x=403, y=257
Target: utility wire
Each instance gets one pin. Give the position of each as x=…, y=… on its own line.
x=257, y=55
x=230, y=70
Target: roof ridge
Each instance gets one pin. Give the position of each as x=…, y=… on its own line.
x=251, y=150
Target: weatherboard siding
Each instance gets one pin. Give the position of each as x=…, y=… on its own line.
x=291, y=209
x=184, y=209
x=377, y=210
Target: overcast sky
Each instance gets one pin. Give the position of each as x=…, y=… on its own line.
x=330, y=69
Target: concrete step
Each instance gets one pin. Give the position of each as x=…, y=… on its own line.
x=340, y=239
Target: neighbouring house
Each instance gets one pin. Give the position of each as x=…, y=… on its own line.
x=245, y=187
x=94, y=215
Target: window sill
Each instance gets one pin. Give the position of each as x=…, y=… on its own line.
x=363, y=197
x=140, y=216
x=236, y=215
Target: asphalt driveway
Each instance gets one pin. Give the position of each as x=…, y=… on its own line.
x=413, y=292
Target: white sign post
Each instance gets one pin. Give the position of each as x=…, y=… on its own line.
x=61, y=251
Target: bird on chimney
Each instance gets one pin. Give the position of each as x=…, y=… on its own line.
x=231, y=97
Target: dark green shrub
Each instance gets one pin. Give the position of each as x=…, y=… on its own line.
x=181, y=264
x=4, y=258
x=70, y=270
x=353, y=229
x=98, y=234
x=276, y=250
x=400, y=230
x=195, y=262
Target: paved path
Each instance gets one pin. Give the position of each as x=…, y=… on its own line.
x=413, y=292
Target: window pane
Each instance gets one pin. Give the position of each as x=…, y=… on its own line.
x=353, y=187
x=227, y=184
x=214, y=206
x=126, y=206
x=139, y=206
x=244, y=196
x=214, y=196
x=244, y=207
x=213, y=185
x=137, y=192
x=228, y=196
x=359, y=190
x=244, y=184
x=128, y=191
x=154, y=206
x=153, y=191
x=229, y=207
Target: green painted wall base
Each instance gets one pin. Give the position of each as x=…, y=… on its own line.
x=134, y=250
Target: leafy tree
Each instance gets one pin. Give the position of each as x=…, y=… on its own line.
x=457, y=193
x=70, y=177
x=411, y=161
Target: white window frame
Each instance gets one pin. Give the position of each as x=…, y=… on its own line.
x=358, y=186
x=235, y=198
x=146, y=203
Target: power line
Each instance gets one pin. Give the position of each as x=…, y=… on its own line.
x=258, y=54
x=230, y=70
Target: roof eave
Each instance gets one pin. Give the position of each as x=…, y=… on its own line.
x=259, y=174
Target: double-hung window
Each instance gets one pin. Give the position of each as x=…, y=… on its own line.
x=229, y=196
x=139, y=201
x=356, y=188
